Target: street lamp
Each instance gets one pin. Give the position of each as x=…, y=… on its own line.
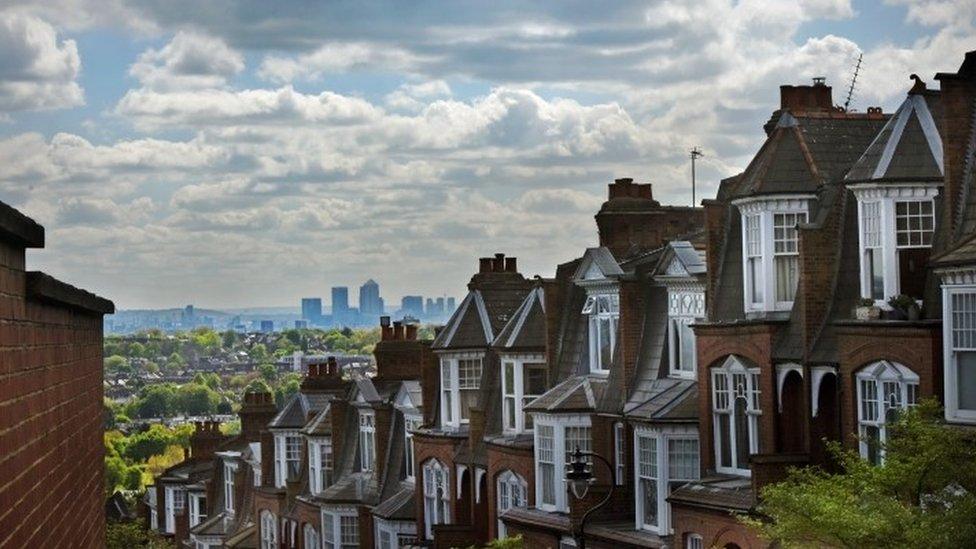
x=579, y=476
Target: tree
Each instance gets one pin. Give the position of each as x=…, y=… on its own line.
x=258, y=353
x=289, y=385
x=117, y=364
x=137, y=349
x=269, y=372
x=157, y=400
x=196, y=400
x=229, y=339
x=257, y=386
x=151, y=442
x=923, y=495
x=133, y=535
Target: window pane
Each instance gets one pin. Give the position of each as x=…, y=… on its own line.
x=914, y=223
x=786, y=277
x=649, y=501
x=687, y=348
x=509, y=378
x=605, y=348
x=469, y=398
x=535, y=379
x=510, y=412
x=966, y=368
x=683, y=459
x=741, y=434
x=875, y=273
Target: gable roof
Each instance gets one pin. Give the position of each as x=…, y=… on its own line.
x=295, y=413
x=681, y=259
x=575, y=394
x=908, y=147
x=666, y=399
x=482, y=314
x=597, y=263
x=526, y=330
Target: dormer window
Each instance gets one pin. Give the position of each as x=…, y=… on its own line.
x=288, y=449
x=770, y=251
x=230, y=469
x=367, y=440
x=603, y=310
x=523, y=380
x=896, y=226
x=460, y=381
x=320, y=464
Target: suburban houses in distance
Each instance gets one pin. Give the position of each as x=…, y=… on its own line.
x=699, y=351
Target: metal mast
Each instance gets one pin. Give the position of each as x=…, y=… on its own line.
x=695, y=154
x=850, y=91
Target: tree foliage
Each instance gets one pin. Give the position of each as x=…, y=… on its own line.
x=133, y=535
x=923, y=495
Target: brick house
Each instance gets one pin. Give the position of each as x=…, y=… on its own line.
x=51, y=468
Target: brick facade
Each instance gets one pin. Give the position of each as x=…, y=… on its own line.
x=520, y=461
x=51, y=467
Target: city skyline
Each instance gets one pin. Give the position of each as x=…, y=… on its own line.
x=207, y=152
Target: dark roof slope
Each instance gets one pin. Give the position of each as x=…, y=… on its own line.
x=526, y=330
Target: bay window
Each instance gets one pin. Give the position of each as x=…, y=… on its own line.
x=770, y=251
x=686, y=305
x=959, y=317
x=311, y=537
x=512, y=492
x=556, y=438
x=896, y=226
x=665, y=460
x=198, y=508
x=437, y=496
x=175, y=503
x=340, y=529
x=735, y=415
x=367, y=440
x=603, y=310
x=884, y=389
x=460, y=381
x=523, y=379
x=320, y=464
x=288, y=448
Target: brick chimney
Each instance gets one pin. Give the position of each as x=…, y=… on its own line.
x=205, y=439
x=484, y=265
x=398, y=330
x=386, y=332
x=511, y=265
x=817, y=97
x=257, y=410
x=323, y=376
x=631, y=220
x=959, y=111
x=401, y=356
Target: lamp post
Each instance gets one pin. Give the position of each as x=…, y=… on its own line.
x=580, y=477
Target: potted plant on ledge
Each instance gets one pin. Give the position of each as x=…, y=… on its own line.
x=867, y=310
x=904, y=307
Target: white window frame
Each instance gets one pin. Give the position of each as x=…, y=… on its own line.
x=367, y=440
x=195, y=514
x=514, y=398
x=881, y=386
x=450, y=385
x=885, y=198
x=762, y=212
x=268, y=530
x=619, y=453
x=319, y=468
x=286, y=452
x=153, y=519
x=230, y=469
x=394, y=529
x=959, y=336
x=602, y=306
x=342, y=523
x=511, y=491
x=436, y=510
x=694, y=541
x=724, y=393
x=559, y=424
x=311, y=537
x=686, y=305
x=175, y=501
x=661, y=470
x=410, y=424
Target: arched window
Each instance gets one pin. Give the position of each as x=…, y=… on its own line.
x=512, y=492
x=884, y=389
x=269, y=530
x=437, y=495
x=311, y=537
x=735, y=413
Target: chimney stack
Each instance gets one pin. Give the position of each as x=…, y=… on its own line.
x=625, y=187
x=205, y=439
x=814, y=98
x=411, y=332
x=386, y=333
x=484, y=265
x=398, y=330
x=511, y=266
x=498, y=264
x=257, y=410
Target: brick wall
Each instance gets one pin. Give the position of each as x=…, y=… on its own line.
x=428, y=447
x=51, y=463
x=717, y=528
x=504, y=458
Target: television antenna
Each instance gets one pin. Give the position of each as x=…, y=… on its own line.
x=695, y=154
x=850, y=90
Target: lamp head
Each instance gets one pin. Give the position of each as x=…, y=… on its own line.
x=578, y=475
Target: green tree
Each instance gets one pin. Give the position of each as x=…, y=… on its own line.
x=157, y=400
x=269, y=372
x=229, y=339
x=133, y=535
x=289, y=385
x=152, y=441
x=195, y=399
x=258, y=353
x=258, y=386
x=137, y=349
x=923, y=495
x=117, y=364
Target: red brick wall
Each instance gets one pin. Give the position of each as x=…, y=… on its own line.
x=630, y=328
x=442, y=449
x=51, y=450
x=504, y=458
x=917, y=347
x=716, y=528
x=715, y=343
x=957, y=105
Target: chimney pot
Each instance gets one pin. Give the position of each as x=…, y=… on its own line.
x=384, y=321
x=411, y=333
x=484, y=265
x=398, y=330
x=498, y=265
x=511, y=265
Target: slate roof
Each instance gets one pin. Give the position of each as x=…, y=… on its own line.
x=526, y=330
x=602, y=259
x=399, y=506
x=723, y=493
x=295, y=413
x=666, y=399
x=908, y=147
x=963, y=253
x=576, y=394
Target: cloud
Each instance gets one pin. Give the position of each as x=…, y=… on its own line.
x=337, y=57
x=189, y=60
x=37, y=71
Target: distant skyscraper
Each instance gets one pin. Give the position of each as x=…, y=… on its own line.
x=412, y=305
x=340, y=301
x=369, y=299
x=267, y=325
x=312, y=309
x=450, y=306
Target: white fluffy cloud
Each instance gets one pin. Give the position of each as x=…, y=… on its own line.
x=37, y=70
x=189, y=60
x=336, y=58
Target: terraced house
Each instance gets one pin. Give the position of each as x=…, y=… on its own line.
x=694, y=355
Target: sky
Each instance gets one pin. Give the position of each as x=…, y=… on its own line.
x=250, y=153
